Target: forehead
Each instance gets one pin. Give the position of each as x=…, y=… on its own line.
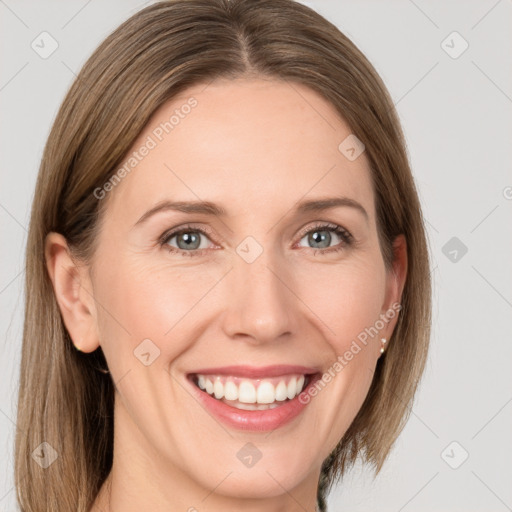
x=247, y=144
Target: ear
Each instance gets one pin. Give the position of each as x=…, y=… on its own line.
x=395, y=282
x=73, y=291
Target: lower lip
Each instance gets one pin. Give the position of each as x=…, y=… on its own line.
x=269, y=419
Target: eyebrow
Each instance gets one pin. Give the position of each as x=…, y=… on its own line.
x=209, y=208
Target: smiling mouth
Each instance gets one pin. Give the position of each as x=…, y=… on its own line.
x=252, y=394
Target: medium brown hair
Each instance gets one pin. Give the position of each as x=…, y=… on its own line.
x=157, y=53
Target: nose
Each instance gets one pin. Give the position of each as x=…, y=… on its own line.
x=260, y=302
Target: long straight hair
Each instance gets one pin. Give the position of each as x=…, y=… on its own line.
x=154, y=55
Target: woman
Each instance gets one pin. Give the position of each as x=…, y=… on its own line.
x=228, y=294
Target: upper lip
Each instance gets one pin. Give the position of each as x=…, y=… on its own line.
x=255, y=372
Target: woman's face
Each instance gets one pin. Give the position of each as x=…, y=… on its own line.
x=242, y=289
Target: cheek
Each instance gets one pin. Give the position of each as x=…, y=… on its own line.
x=143, y=302
x=170, y=304
x=347, y=298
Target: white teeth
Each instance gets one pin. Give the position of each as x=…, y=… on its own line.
x=266, y=393
x=218, y=389
x=247, y=392
x=255, y=407
x=300, y=384
x=281, y=392
x=230, y=391
x=261, y=392
x=292, y=388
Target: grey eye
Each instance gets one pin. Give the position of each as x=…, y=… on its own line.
x=187, y=240
x=320, y=238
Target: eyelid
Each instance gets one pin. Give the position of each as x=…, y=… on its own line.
x=325, y=225
x=164, y=238
x=348, y=238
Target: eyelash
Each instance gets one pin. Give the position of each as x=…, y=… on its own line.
x=347, y=238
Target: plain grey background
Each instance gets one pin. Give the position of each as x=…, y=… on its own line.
x=456, y=450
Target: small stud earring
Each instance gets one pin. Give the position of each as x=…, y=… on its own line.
x=383, y=340
x=75, y=345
